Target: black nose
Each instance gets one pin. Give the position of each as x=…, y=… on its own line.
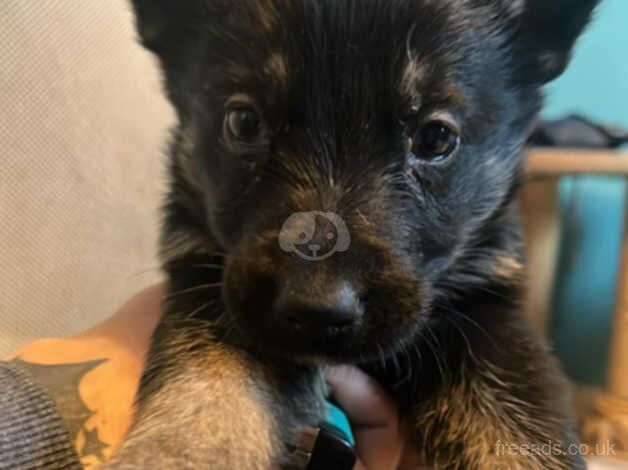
x=336, y=310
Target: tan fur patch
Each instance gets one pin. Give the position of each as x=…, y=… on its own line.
x=221, y=411
x=276, y=68
x=475, y=426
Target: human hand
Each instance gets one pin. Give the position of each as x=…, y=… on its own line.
x=379, y=433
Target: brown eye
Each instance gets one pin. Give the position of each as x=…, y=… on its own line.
x=435, y=141
x=244, y=124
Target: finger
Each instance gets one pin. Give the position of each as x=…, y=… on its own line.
x=373, y=417
x=359, y=466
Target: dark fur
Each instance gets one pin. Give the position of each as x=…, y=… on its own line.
x=435, y=251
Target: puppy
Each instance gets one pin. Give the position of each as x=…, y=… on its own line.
x=343, y=190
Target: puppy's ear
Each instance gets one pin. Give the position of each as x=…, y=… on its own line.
x=172, y=29
x=163, y=25
x=546, y=33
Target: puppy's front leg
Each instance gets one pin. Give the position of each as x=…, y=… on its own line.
x=202, y=405
x=505, y=407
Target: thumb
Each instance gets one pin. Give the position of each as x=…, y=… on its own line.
x=373, y=417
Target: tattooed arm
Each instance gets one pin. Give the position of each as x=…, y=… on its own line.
x=92, y=377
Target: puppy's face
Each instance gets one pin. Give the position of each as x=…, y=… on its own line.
x=348, y=155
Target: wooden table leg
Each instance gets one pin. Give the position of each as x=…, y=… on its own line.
x=606, y=432
x=542, y=226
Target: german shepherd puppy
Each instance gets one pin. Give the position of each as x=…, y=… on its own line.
x=343, y=190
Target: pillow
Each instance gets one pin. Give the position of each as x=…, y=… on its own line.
x=83, y=125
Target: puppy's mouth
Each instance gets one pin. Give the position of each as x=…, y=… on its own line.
x=335, y=343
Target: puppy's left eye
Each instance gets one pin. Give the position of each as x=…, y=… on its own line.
x=435, y=141
x=244, y=124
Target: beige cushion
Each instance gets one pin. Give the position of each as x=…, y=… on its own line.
x=82, y=131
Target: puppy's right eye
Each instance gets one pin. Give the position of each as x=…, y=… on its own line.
x=244, y=124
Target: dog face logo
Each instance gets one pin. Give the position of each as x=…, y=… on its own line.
x=315, y=235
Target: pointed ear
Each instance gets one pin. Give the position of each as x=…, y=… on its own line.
x=546, y=32
x=172, y=30
x=160, y=23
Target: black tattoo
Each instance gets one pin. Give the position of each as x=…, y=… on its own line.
x=63, y=381
x=93, y=445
